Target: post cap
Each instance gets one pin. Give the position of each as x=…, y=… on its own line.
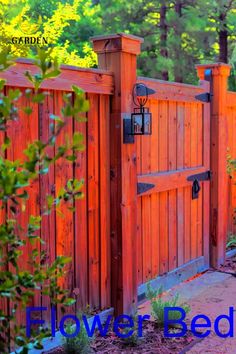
x=218, y=69
x=120, y=42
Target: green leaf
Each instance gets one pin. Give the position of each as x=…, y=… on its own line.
x=2, y=83
x=69, y=302
x=51, y=74
x=27, y=110
x=77, y=90
x=20, y=341
x=39, y=98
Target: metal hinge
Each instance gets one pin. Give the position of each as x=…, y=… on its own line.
x=144, y=187
x=204, y=176
x=204, y=97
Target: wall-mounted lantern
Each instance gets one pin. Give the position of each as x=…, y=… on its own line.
x=140, y=122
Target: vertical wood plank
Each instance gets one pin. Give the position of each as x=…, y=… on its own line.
x=187, y=190
x=234, y=184
x=104, y=164
x=193, y=164
x=93, y=201
x=180, y=191
x=47, y=187
x=206, y=186
x=200, y=162
x=163, y=197
x=146, y=236
x=172, y=141
x=155, y=242
x=146, y=211
x=81, y=221
x=64, y=218
x=139, y=242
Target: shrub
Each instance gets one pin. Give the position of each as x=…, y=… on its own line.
x=231, y=170
x=158, y=305
x=231, y=243
x=80, y=344
x=132, y=340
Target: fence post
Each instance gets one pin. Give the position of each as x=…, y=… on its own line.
x=219, y=212
x=118, y=53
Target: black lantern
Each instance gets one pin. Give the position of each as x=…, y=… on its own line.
x=141, y=119
x=140, y=122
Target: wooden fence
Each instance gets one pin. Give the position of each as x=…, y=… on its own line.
x=173, y=227
x=231, y=123
x=85, y=234
x=118, y=238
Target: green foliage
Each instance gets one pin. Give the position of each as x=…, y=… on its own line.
x=80, y=344
x=18, y=284
x=231, y=242
x=231, y=170
x=191, y=29
x=158, y=305
x=134, y=339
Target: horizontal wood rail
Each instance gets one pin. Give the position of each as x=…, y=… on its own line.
x=231, y=99
x=172, y=90
x=90, y=80
x=169, y=180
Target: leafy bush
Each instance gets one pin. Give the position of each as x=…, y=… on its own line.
x=80, y=344
x=132, y=340
x=19, y=285
x=231, y=243
x=231, y=170
x=158, y=305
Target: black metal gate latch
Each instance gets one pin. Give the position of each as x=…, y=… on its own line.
x=204, y=176
x=195, y=189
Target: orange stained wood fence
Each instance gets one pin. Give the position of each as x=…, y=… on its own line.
x=173, y=229
x=85, y=234
x=231, y=123
x=119, y=239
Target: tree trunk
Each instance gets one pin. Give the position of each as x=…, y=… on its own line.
x=163, y=38
x=223, y=39
x=178, y=9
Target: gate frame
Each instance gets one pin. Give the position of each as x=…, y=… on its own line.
x=219, y=208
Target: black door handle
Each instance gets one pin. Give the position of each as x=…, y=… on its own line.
x=195, y=189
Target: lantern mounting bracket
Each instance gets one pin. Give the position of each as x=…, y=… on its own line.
x=127, y=137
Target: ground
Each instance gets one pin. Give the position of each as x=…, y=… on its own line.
x=211, y=294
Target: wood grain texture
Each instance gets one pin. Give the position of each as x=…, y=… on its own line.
x=172, y=91
x=93, y=201
x=231, y=123
x=64, y=217
x=172, y=140
x=104, y=166
x=164, y=205
x=47, y=187
x=81, y=221
x=90, y=80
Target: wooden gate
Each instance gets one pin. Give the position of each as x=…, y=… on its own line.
x=173, y=228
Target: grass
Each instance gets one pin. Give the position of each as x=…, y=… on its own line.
x=231, y=242
x=158, y=305
x=79, y=344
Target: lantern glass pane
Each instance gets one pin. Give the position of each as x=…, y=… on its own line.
x=137, y=124
x=147, y=123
